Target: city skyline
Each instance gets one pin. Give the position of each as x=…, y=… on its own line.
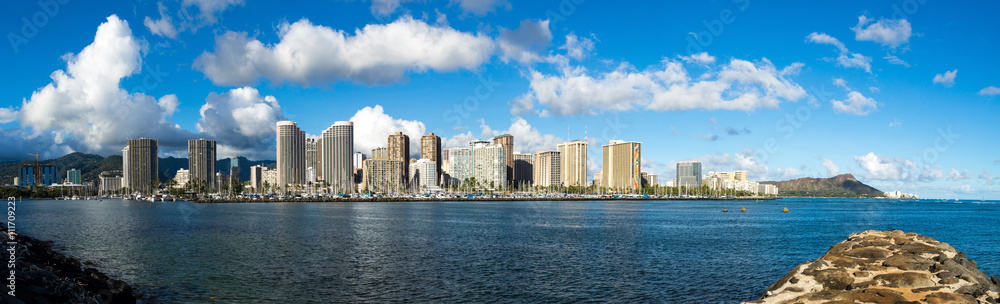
x=781, y=90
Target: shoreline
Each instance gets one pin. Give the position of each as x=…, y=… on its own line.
x=464, y=199
x=45, y=274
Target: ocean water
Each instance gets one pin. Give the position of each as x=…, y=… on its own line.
x=535, y=252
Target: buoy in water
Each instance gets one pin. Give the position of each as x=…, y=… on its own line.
x=724, y=210
x=743, y=210
x=785, y=210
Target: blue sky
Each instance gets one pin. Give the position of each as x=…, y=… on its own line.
x=902, y=94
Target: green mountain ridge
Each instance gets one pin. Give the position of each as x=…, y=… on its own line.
x=844, y=185
x=91, y=165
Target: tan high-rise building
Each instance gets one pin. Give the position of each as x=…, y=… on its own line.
x=382, y=175
x=140, y=164
x=547, y=169
x=622, y=163
x=507, y=141
x=380, y=152
x=430, y=148
x=201, y=161
x=291, y=155
x=399, y=149
x=573, y=158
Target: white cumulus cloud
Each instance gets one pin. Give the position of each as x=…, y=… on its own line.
x=831, y=168
x=856, y=103
x=947, y=79
x=739, y=85
x=890, y=33
x=956, y=175
x=990, y=91
x=481, y=7
x=163, y=26
x=845, y=58
x=524, y=43
x=375, y=54
x=885, y=168
x=242, y=120
x=372, y=128
x=85, y=107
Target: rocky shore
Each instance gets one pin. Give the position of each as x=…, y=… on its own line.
x=45, y=275
x=886, y=267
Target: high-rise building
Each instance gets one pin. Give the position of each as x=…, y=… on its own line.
x=489, y=165
x=597, y=179
x=430, y=148
x=257, y=177
x=507, y=141
x=547, y=168
x=622, y=163
x=380, y=152
x=337, y=158
x=573, y=163
x=460, y=165
x=399, y=149
x=73, y=177
x=689, y=174
x=358, y=160
x=291, y=155
x=740, y=176
x=523, y=169
x=424, y=174
x=140, y=161
x=37, y=175
x=234, y=169
x=201, y=161
x=313, y=157
x=111, y=182
x=382, y=175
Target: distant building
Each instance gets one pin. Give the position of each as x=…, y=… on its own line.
x=524, y=169
x=622, y=163
x=490, y=165
x=430, y=148
x=313, y=159
x=291, y=155
x=358, y=160
x=900, y=194
x=597, y=179
x=507, y=141
x=688, y=174
x=270, y=178
x=380, y=152
x=767, y=190
x=424, y=174
x=202, y=161
x=110, y=182
x=383, y=175
x=460, y=165
x=73, y=177
x=234, y=169
x=182, y=177
x=547, y=169
x=399, y=149
x=140, y=164
x=338, y=157
x=256, y=177
x=38, y=175
x=573, y=163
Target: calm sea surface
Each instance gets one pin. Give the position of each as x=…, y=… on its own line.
x=537, y=252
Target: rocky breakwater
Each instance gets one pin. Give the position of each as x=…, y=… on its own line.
x=886, y=267
x=45, y=275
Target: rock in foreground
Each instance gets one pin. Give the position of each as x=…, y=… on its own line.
x=886, y=267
